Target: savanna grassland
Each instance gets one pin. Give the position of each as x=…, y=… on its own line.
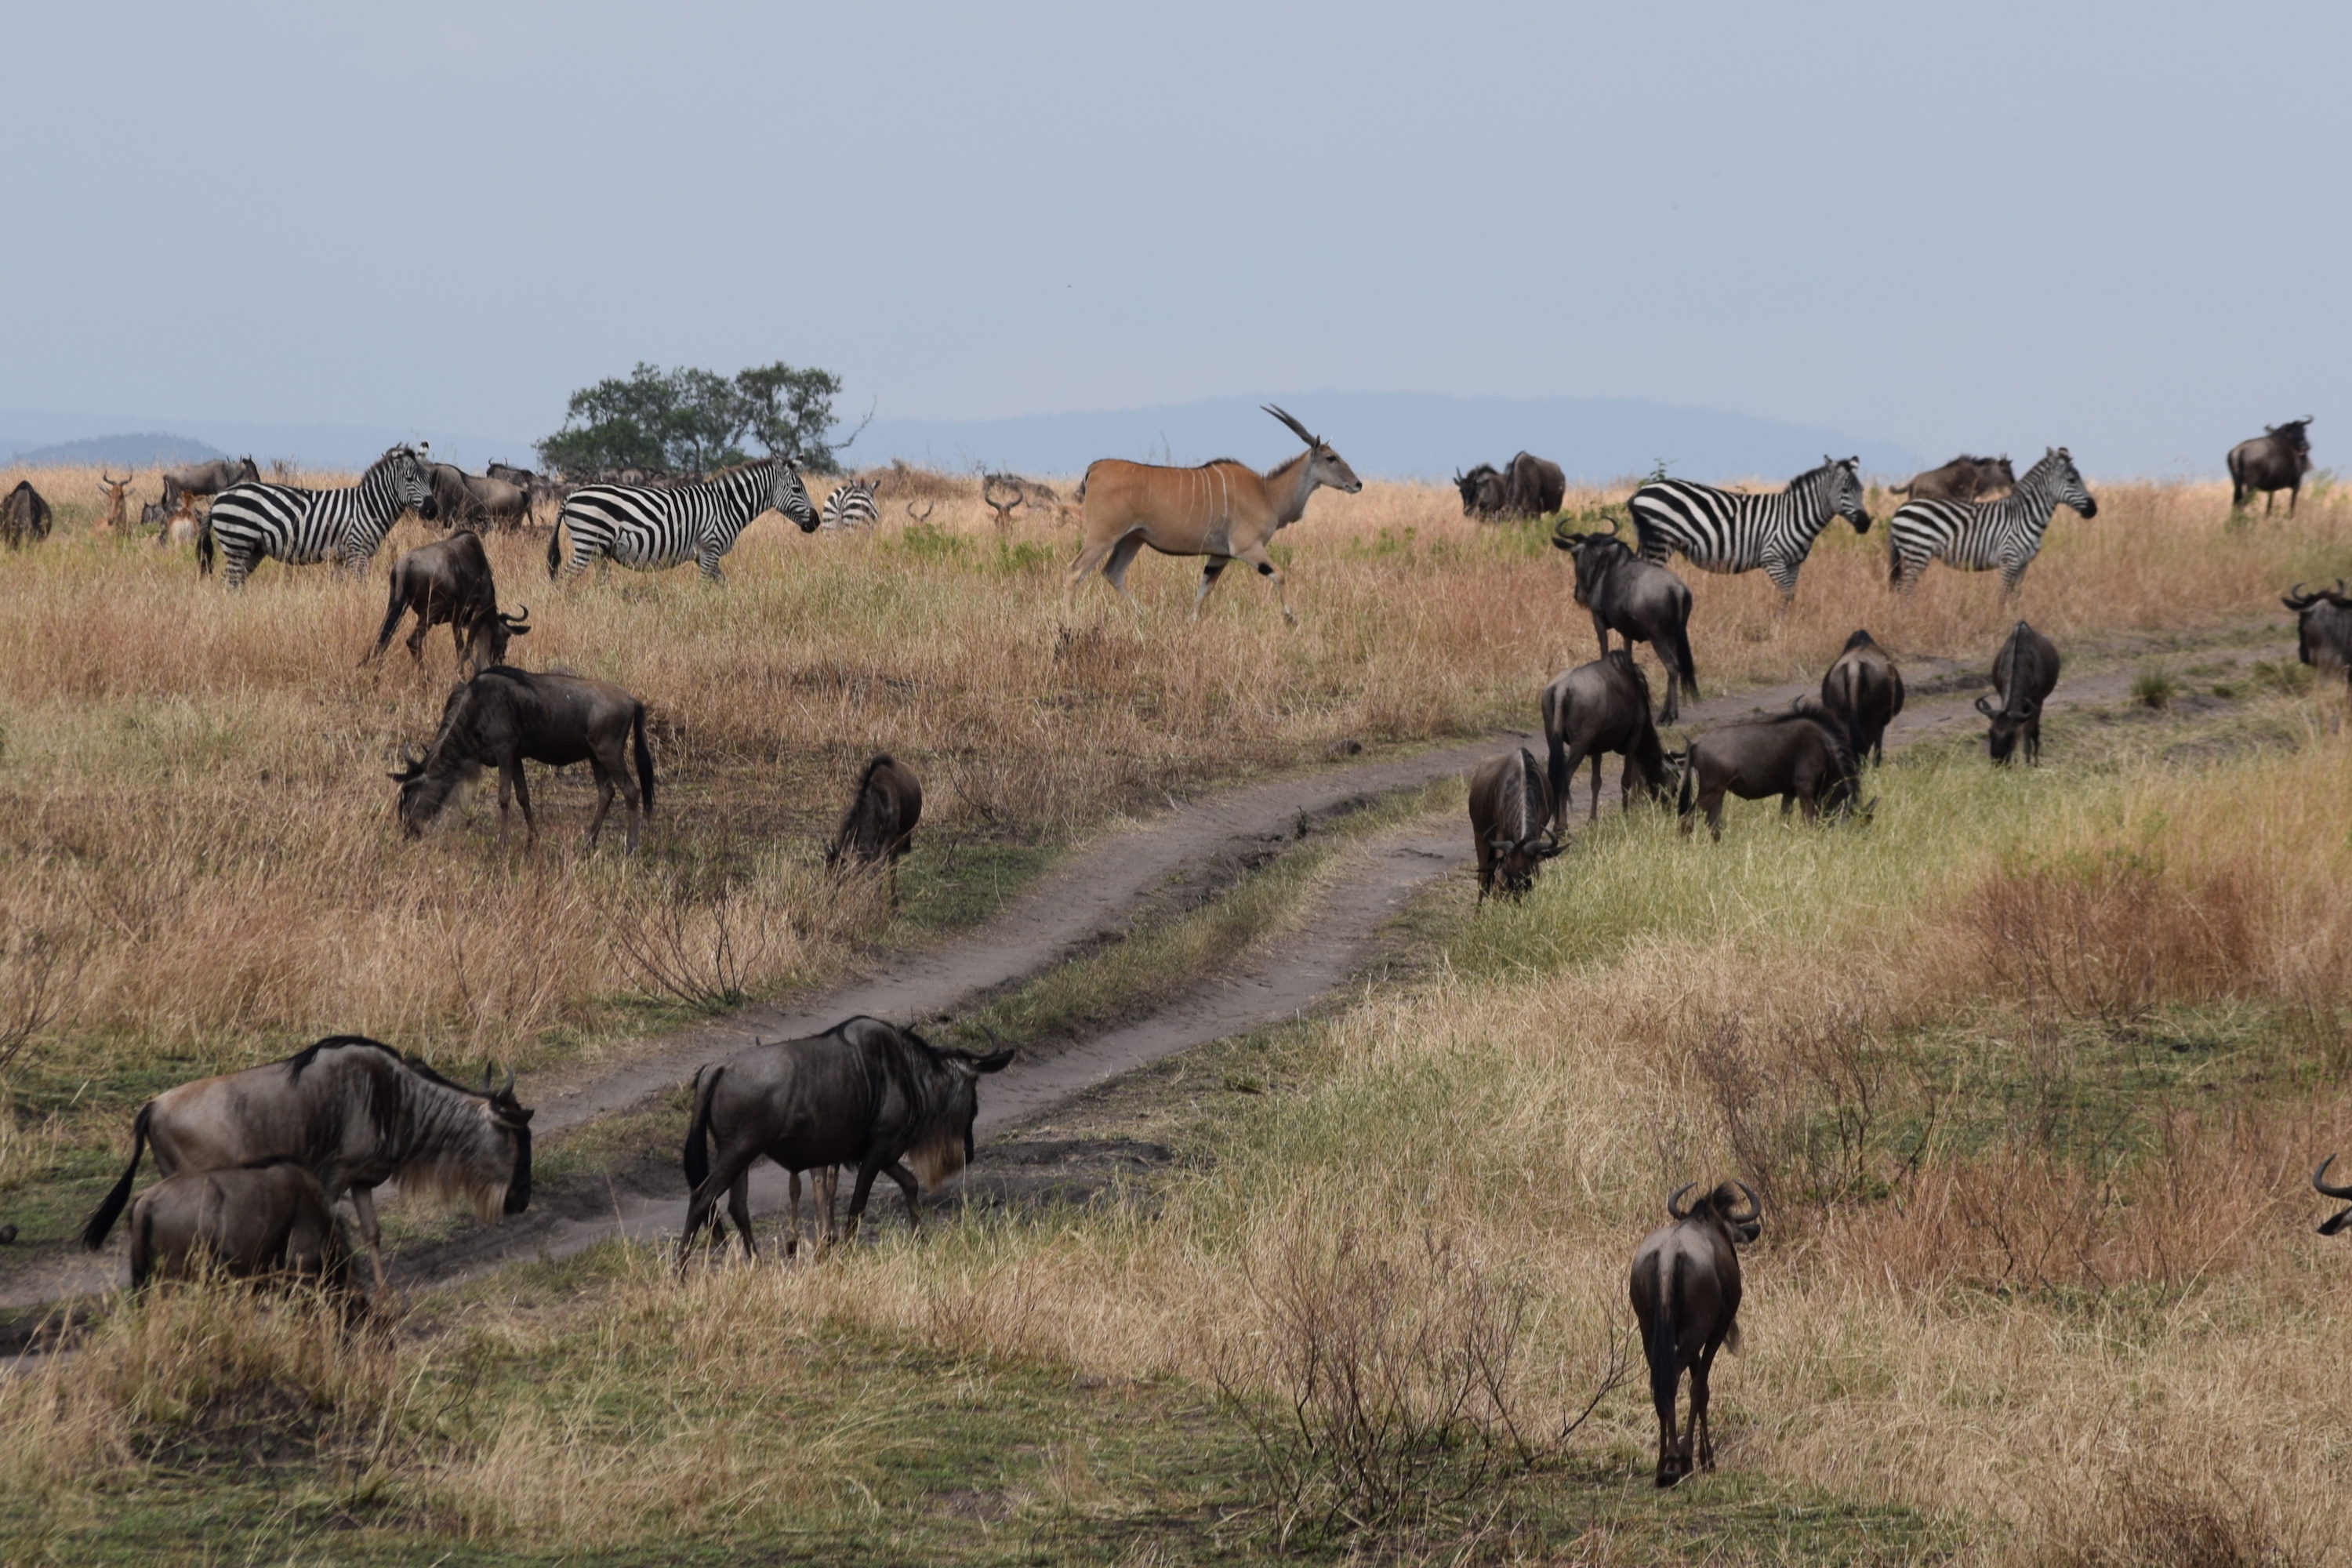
x=2030, y=1070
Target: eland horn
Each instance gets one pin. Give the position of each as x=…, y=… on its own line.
x=1295, y=427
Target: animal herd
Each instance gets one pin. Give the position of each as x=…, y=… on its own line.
x=257, y=1166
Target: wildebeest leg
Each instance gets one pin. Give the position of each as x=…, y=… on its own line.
x=1714, y=804
x=1211, y=570
x=908, y=1185
x=2294, y=494
x=1788, y=802
x=1256, y=556
x=522, y=798
x=739, y=1208
x=829, y=1184
x=1600, y=634
x=605, y=802
x=865, y=1185
x=416, y=638
x=1596, y=787
x=364, y=1205
x=792, y=1236
x=1703, y=1438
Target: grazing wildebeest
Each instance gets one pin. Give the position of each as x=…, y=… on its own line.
x=1963, y=478
x=1638, y=600
x=267, y=1218
x=880, y=820
x=505, y=717
x=2323, y=628
x=2319, y=1185
x=449, y=582
x=357, y=1114
x=1686, y=1292
x=863, y=1094
x=117, y=499
x=208, y=479
x=1485, y=490
x=1727, y=530
x=498, y=502
x=1801, y=755
x=1864, y=689
x=1596, y=708
x=1223, y=509
x=2274, y=461
x=2023, y=673
x=1510, y=819
x=25, y=516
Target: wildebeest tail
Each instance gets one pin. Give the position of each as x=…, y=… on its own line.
x=555, y=550
x=205, y=546
x=1556, y=759
x=697, y=1133
x=1690, y=795
x=109, y=1208
x=1659, y=1333
x=644, y=760
x=1685, y=667
x=392, y=612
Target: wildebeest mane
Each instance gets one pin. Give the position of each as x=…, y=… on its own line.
x=400, y=1118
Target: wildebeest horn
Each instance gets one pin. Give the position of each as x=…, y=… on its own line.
x=1985, y=707
x=1755, y=1206
x=410, y=766
x=1295, y=427
x=1674, y=1201
x=508, y=1093
x=520, y=615
x=2322, y=1187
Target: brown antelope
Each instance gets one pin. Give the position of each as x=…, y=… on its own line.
x=1223, y=509
x=1003, y=509
x=118, y=495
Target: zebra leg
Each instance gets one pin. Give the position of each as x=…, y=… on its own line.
x=1784, y=577
x=708, y=561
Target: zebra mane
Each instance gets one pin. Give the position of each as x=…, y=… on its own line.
x=1816, y=471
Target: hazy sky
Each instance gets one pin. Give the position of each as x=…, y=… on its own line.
x=1993, y=226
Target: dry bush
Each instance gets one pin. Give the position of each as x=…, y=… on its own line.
x=2156, y=1511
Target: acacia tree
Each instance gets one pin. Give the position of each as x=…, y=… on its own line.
x=695, y=420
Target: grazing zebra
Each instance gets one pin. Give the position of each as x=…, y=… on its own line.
x=852, y=506
x=1977, y=536
x=648, y=530
x=1724, y=531
x=254, y=520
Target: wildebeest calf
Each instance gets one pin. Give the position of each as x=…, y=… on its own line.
x=1686, y=1292
x=2024, y=672
x=449, y=582
x=1637, y=599
x=2323, y=627
x=1510, y=809
x=1801, y=755
x=268, y=1218
x=1963, y=478
x=504, y=717
x=1596, y=708
x=880, y=820
x=863, y=1094
x=1864, y=689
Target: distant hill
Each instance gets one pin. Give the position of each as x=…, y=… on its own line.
x=150, y=450
x=324, y=447
x=1392, y=435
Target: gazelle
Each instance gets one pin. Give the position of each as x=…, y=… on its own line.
x=1223, y=509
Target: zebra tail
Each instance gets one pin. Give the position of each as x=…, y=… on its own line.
x=205, y=546
x=645, y=761
x=555, y=550
x=109, y=1208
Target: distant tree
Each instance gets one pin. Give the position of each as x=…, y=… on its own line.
x=695, y=420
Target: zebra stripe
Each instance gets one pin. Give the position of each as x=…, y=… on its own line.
x=1724, y=531
x=254, y=521
x=1977, y=536
x=650, y=530
x=852, y=506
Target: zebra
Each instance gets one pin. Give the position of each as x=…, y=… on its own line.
x=648, y=530
x=1724, y=531
x=256, y=520
x=1977, y=536
x=852, y=506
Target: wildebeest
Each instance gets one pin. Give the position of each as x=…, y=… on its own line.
x=1637, y=599
x=863, y=1094
x=1864, y=689
x=2323, y=629
x=25, y=516
x=1801, y=755
x=2023, y=673
x=1527, y=485
x=1510, y=821
x=208, y=479
x=1730, y=531
x=505, y=717
x=117, y=499
x=880, y=820
x=1223, y=509
x=2275, y=460
x=268, y=1218
x=1963, y=478
x=357, y=1114
x=1686, y=1293
x=462, y=497
x=2319, y=1185
x=449, y=582
x=1594, y=709
x=521, y=478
